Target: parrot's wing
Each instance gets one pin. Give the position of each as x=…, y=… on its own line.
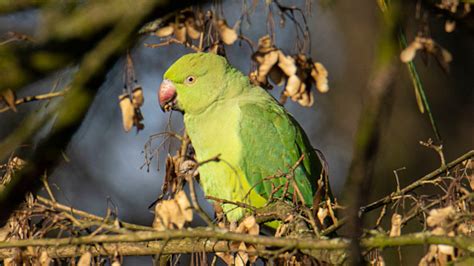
x=273, y=142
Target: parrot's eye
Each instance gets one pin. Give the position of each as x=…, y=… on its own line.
x=190, y=80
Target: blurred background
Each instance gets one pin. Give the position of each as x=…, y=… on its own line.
x=102, y=166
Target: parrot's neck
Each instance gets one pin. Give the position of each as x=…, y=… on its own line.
x=235, y=85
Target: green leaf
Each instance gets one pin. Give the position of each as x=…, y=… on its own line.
x=421, y=98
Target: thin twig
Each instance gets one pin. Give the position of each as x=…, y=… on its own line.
x=87, y=215
x=390, y=198
x=40, y=97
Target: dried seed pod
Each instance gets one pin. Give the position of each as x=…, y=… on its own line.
x=44, y=259
x=320, y=76
x=396, y=228
x=304, y=86
x=184, y=205
x=409, y=53
x=446, y=55
x=228, y=34
x=116, y=262
x=162, y=215
x=85, y=259
x=269, y=60
x=322, y=214
x=128, y=111
x=165, y=31
x=192, y=29
x=265, y=44
x=450, y=25
x=180, y=32
x=440, y=217
x=137, y=96
x=286, y=64
x=9, y=97
x=242, y=256
x=174, y=213
x=292, y=85
x=301, y=90
x=253, y=78
x=249, y=225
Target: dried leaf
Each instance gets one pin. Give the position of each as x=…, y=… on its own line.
x=226, y=257
x=396, y=228
x=286, y=64
x=465, y=229
x=450, y=25
x=162, y=215
x=174, y=213
x=9, y=262
x=440, y=217
x=310, y=100
x=165, y=31
x=249, y=225
x=137, y=96
x=301, y=91
x=269, y=60
x=252, y=251
x=9, y=97
x=128, y=111
x=184, y=205
x=180, y=32
x=429, y=257
x=228, y=34
x=292, y=85
x=265, y=44
x=242, y=256
x=320, y=75
x=85, y=259
x=282, y=230
x=116, y=262
x=45, y=259
x=322, y=214
x=192, y=29
x=409, y=52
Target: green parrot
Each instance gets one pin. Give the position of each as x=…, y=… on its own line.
x=254, y=136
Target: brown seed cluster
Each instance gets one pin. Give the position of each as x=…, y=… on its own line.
x=173, y=213
x=189, y=25
x=298, y=72
x=227, y=34
x=428, y=45
x=130, y=106
x=186, y=23
x=246, y=252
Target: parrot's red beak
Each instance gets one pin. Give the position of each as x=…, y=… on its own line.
x=167, y=95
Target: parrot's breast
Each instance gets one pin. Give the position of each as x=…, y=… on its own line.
x=215, y=132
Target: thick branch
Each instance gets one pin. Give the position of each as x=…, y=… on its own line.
x=203, y=239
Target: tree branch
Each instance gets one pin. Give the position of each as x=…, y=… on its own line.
x=215, y=240
x=40, y=97
x=90, y=216
x=392, y=197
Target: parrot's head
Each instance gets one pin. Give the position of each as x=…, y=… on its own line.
x=193, y=83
